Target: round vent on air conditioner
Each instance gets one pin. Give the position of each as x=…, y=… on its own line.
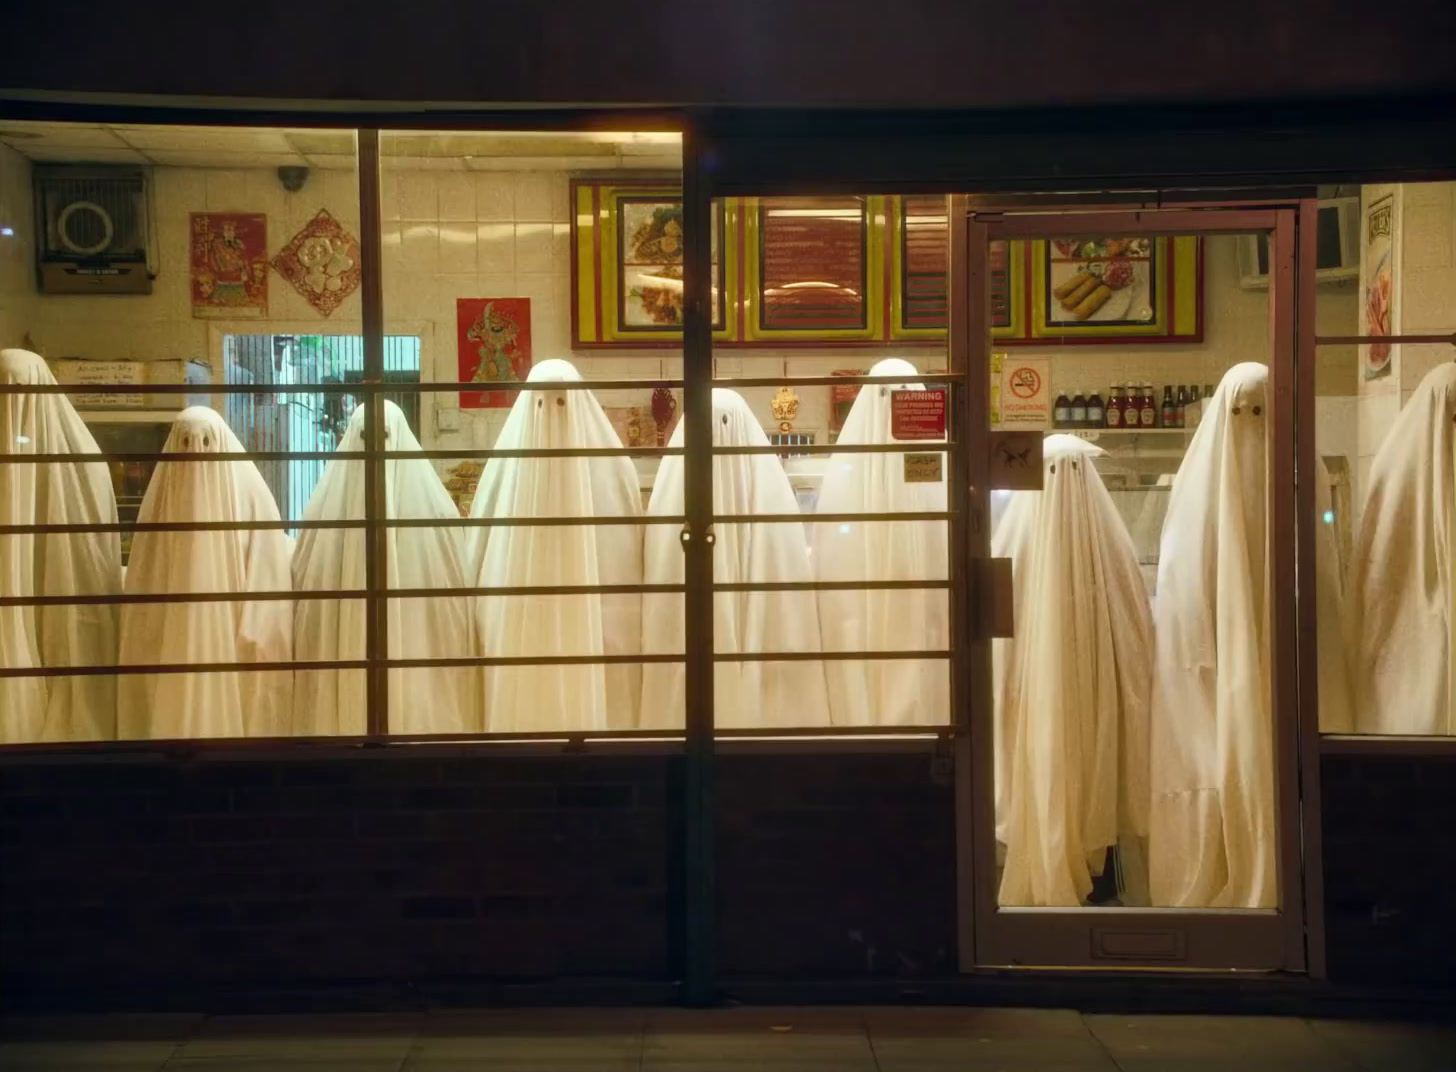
x=85, y=228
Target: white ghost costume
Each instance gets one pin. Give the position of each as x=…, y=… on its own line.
x=1212, y=840
x=221, y=703
x=593, y=696
x=1073, y=687
x=59, y=564
x=426, y=700
x=1401, y=589
x=745, y=694
x=882, y=692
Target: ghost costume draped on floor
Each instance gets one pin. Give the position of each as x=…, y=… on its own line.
x=1073, y=687
x=54, y=564
x=746, y=694
x=585, y=696
x=228, y=703
x=1213, y=837
x=882, y=692
x=1401, y=607
x=425, y=700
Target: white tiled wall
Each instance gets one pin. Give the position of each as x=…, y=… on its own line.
x=17, y=251
x=1425, y=285
x=454, y=234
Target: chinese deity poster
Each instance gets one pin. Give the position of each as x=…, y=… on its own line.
x=494, y=338
x=229, y=264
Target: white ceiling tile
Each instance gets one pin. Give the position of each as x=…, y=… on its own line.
x=217, y=159
x=46, y=154
x=73, y=135
x=331, y=161
x=205, y=139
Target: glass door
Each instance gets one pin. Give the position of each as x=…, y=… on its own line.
x=1130, y=770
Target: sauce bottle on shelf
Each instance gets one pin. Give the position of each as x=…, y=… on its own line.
x=1096, y=411
x=1180, y=407
x=1149, y=415
x=1169, y=412
x=1062, y=411
x=1115, y=403
x=1079, y=409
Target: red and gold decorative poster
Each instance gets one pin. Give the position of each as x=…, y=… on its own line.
x=229, y=264
x=322, y=262
x=494, y=338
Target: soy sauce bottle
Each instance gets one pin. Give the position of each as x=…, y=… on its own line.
x=1079, y=410
x=1062, y=412
x=1180, y=407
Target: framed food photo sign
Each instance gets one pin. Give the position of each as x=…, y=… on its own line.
x=920, y=273
x=627, y=264
x=1117, y=289
x=815, y=269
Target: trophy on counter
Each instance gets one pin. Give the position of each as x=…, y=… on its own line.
x=663, y=407
x=785, y=408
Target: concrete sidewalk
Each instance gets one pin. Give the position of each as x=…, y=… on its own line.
x=725, y=1040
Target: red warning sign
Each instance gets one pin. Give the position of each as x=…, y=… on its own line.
x=918, y=414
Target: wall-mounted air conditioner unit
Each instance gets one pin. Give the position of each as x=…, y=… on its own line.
x=1337, y=246
x=92, y=229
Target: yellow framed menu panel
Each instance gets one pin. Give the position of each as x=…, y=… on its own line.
x=627, y=264
x=815, y=269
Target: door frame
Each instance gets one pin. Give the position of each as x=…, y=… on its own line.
x=1102, y=938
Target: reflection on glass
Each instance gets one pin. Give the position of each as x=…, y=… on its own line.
x=1401, y=588
x=435, y=700
x=746, y=694
x=578, y=697
x=60, y=564
x=216, y=704
x=883, y=692
x=1072, y=691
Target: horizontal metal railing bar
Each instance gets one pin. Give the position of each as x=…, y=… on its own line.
x=362, y=387
x=828, y=586
x=922, y=731
x=642, y=659
x=898, y=380
x=146, y=598
x=303, y=745
x=467, y=522
x=1414, y=340
x=483, y=453
x=828, y=656
x=311, y=666
x=384, y=523
x=829, y=519
x=925, y=446
x=530, y=385
x=150, y=598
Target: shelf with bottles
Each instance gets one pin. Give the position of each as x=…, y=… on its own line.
x=1131, y=408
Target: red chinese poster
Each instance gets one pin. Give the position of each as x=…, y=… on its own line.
x=494, y=339
x=229, y=264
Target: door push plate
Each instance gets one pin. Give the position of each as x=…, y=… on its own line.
x=998, y=616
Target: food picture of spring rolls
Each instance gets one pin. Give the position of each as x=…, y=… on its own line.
x=1076, y=297
x=1065, y=289
x=1092, y=302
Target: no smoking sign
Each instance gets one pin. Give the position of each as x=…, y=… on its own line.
x=1024, y=381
